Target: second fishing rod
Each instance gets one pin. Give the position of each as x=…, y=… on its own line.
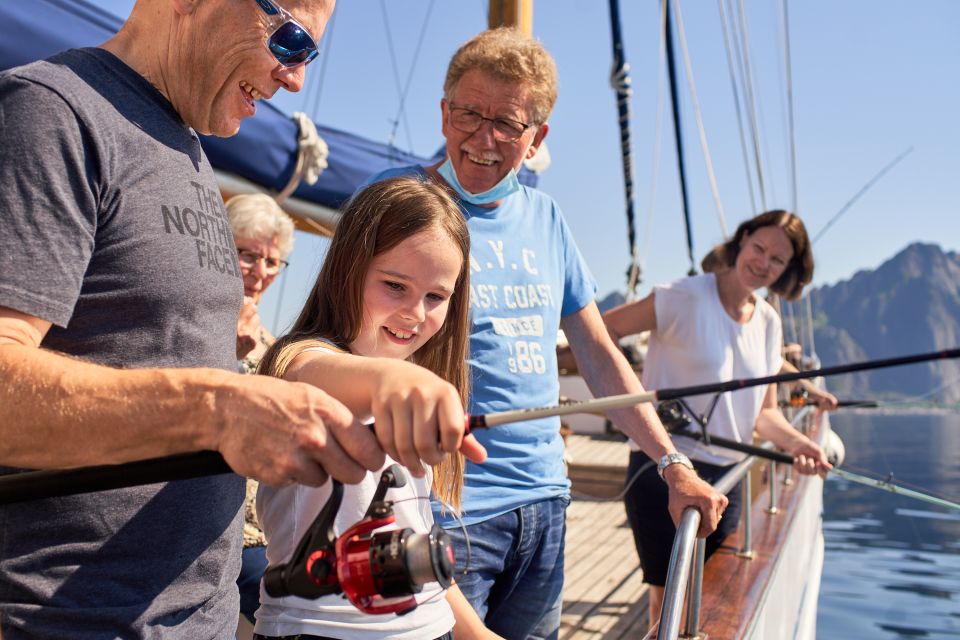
x=630, y=399
x=35, y=485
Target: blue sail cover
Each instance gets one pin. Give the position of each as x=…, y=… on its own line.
x=265, y=150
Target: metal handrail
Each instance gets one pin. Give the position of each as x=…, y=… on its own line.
x=681, y=555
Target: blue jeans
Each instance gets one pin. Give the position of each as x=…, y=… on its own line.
x=248, y=582
x=515, y=577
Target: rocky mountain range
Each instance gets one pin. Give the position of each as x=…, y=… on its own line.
x=909, y=304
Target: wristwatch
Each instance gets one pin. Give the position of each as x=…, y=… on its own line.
x=673, y=458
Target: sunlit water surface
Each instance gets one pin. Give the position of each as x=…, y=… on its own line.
x=892, y=564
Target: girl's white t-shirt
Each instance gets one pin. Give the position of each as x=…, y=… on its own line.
x=286, y=514
x=697, y=342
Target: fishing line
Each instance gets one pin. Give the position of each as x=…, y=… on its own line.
x=910, y=399
x=457, y=515
x=620, y=496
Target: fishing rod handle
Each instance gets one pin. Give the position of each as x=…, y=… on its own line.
x=584, y=406
x=54, y=483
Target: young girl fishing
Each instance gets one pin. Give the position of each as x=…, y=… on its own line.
x=384, y=331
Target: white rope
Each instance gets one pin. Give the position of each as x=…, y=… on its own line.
x=728, y=43
x=788, y=80
x=655, y=164
x=696, y=110
x=751, y=102
x=312, y=154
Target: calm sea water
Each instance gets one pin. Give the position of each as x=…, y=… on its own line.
x=892, y=564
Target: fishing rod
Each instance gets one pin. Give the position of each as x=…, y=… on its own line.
x=776, y=456
x=887, y=485
x=52, y=483
x=629, y=399
x=841, y=404
x=34, y=485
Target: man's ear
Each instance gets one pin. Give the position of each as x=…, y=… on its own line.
x=537, y=139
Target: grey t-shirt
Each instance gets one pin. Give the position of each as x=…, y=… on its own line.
x=113, y=229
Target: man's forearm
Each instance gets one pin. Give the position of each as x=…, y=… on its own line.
x=59, y=412
x=607, y=372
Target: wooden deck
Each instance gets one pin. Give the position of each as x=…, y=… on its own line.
x=604, y=596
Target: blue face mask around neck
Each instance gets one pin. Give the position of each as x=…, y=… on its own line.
x=508, y=185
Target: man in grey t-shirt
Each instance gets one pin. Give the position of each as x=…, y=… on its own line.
x=119, y=297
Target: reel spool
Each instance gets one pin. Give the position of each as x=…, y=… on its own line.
x=377, y=572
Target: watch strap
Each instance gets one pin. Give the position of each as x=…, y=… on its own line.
x=673, y=458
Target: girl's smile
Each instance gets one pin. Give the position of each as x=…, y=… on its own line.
x=406, y=294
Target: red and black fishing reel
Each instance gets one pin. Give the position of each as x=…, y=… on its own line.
x=377, y=572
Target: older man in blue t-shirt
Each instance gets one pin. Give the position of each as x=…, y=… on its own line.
x=528, y=280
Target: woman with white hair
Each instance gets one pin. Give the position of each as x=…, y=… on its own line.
x=263, y=234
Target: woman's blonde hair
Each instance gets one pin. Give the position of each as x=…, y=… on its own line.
x=799, y=271
x=375, y=220
x=508, y=55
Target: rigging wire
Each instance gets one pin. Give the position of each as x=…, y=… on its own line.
x=750, y=100
x=859, y=193
x=836, y=216
x=788, y=77
x=790, y=322
x=276, y=309
x=395, y=121
x=311, y=98
x=799, y=321
x=737, y=99
x=326, y=44
x=655, y=163
x=403, y=90
x=678, y=136
x=699, y=117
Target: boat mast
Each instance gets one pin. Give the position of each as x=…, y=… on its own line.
x=511, y=13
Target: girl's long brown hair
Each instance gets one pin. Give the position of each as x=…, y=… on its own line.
x=377, y=219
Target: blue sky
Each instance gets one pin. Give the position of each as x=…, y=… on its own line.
x=871, y=78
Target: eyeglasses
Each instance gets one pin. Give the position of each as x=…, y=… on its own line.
x=469, y=121
x=249, y=259
x=289, y=42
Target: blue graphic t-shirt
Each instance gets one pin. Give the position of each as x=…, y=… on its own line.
x=526, y=273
